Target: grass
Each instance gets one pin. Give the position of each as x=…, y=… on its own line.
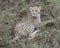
x=12, y=12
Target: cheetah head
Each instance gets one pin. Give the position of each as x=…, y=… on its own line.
x=35, y=11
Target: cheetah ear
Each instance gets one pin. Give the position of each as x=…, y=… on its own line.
x=40, y=7
x=30, y=7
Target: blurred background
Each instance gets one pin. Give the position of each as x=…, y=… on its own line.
x=12, y=11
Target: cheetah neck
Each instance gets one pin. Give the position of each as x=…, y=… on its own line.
x=36, y=19
x=39, y=18
x=30, y=18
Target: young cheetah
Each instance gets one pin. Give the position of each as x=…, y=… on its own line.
x=29, y=24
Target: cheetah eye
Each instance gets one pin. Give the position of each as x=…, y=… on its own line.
x=36, y=10
x=32, y=10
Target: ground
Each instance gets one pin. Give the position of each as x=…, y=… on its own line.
x=12, y=11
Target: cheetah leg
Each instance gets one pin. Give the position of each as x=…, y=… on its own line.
x=14, y=39
x=33, y=35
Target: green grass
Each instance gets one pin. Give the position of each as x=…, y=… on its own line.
x=49, y=35
x=57, y=2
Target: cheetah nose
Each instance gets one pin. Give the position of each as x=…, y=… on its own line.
x=34, y=13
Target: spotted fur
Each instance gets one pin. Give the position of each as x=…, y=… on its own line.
x=28, y=24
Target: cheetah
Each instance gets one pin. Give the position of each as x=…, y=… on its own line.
x=29, y=24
